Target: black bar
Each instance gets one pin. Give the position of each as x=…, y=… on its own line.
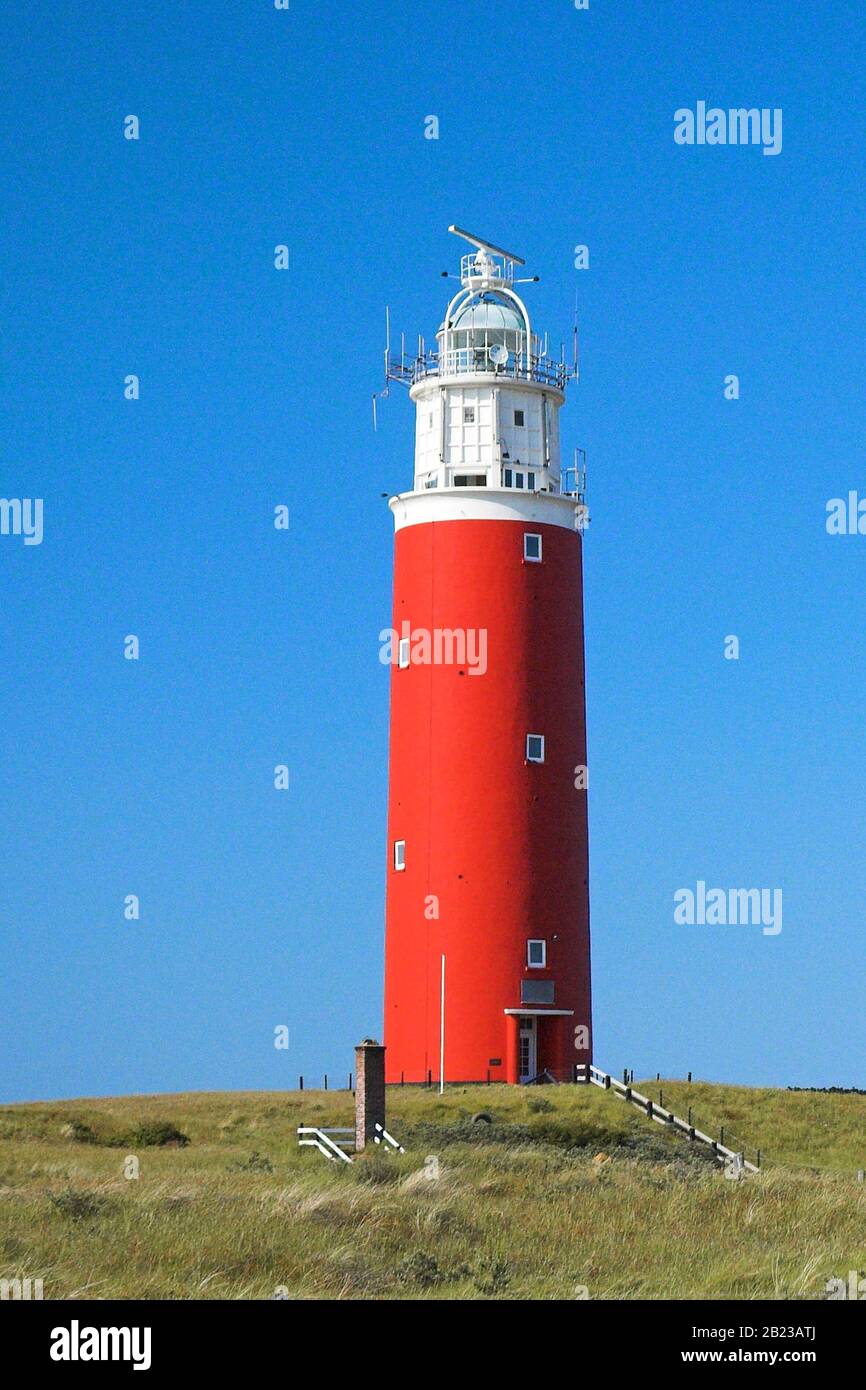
x=199, y=1338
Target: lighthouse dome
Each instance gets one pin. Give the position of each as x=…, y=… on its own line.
x=489, y=311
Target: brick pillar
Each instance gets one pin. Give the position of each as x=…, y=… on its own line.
x=369, y=1091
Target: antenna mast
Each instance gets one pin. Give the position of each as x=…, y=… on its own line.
x=486, y=245
x=386, y=390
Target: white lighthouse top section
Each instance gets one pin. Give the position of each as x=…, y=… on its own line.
x=488, y=398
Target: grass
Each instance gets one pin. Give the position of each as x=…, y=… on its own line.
x=568, y=1189
x=815, y=1129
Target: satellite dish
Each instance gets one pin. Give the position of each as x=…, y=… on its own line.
x=498, y=354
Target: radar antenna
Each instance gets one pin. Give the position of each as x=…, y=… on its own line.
x=486, y=245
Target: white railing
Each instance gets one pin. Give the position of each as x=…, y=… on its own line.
x=321, y=1139
x=574, y=477
x=383, y=1137
x=492, y=268
x=471, y=362
x=657, y=1112
x=333, y=1148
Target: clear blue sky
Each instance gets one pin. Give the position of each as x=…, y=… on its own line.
x=155, y=257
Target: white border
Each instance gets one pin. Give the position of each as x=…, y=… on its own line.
x=483, y=504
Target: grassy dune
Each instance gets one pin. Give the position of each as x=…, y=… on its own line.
x=809, y=1128
x=568, y=1189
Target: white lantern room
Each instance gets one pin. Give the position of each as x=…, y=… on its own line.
x=487, y=400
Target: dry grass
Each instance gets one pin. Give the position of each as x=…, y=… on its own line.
x=579, y=1191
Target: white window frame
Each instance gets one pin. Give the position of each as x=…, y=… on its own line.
x=469, y=414
x=399, y=855
x=403, y=654
x=529, y=757
x=521, y=423
x=536, y=964
x=535, y=536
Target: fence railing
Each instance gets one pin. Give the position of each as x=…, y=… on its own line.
x=469, y=361
x=322, y=1140
x=655, y=1111
x=326, y=1087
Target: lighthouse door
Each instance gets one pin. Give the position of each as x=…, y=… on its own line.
x=528, y=1049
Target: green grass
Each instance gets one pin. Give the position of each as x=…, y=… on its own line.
x=792, y=1128
x=568, y=1188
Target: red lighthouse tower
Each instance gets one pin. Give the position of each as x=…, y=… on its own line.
x=487, y=969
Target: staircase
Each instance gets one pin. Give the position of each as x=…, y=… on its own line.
x=735, y=1163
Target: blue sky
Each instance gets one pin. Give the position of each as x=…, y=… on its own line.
x=156, y=257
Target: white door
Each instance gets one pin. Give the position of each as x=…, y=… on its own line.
x=528, y=1068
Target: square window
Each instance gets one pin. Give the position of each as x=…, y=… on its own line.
x=518, y=417
x=403, y=653
x=536, y=954
x=532, y=546
x=399, y=854
x=535, y=748
x=469, y=414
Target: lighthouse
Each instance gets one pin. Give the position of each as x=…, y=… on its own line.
x=487, y=961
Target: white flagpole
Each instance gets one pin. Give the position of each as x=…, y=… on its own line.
x=442, y=1030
